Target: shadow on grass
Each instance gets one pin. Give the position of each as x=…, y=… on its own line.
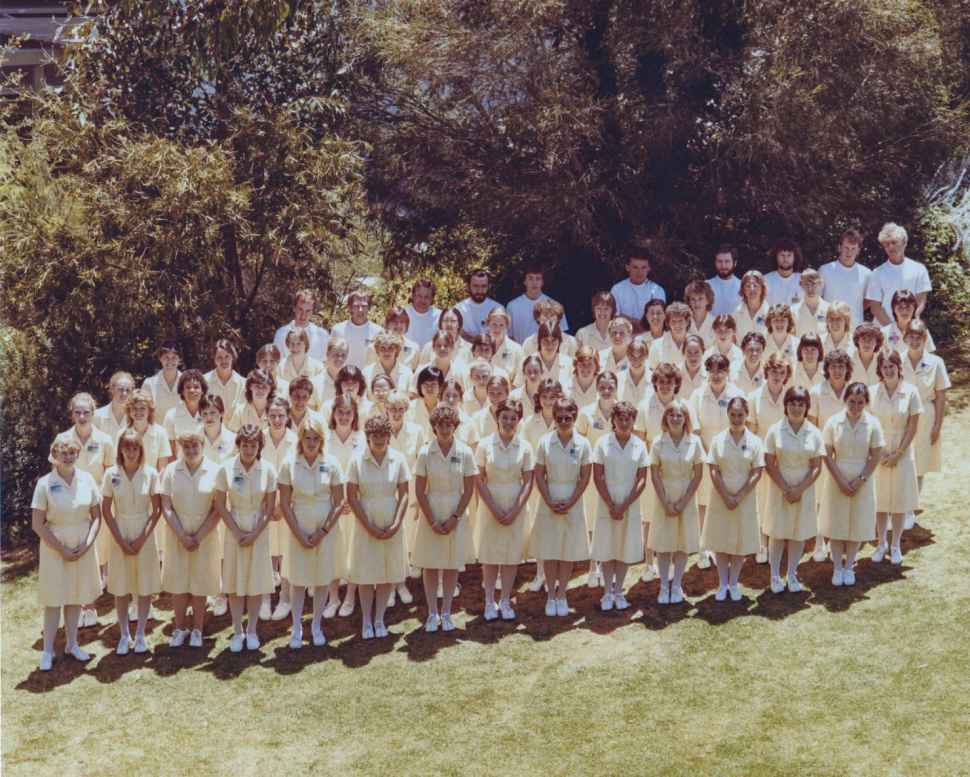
x=18, y=562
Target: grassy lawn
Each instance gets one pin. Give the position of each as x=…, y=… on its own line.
x=872, y=680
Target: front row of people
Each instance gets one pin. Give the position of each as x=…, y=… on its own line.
x=507, y=502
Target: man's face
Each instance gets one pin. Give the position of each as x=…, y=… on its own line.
x=723, y=265
x=302, y=311
x=637, y=269
x=533, y=284
x=422, y=298
x=848, y=252
x=359, y=309
x=785, y=261
x=895, y=248
x=478, y=288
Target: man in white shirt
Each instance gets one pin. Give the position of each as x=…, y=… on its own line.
x=422, y=314
x=635, y=291
x=726, y=285
x=897, y=272
x=303, y=305
x=845, y=279
x=784, y=284
x=521, y=308
x=359, y=331
x=476, y=306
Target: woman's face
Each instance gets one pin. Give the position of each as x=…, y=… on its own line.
x=585, y=368
x=867, y=344
x=620, y=337
x=442, y=349
x=656, y=318
x=351, y=387
x=192, y=392
x=381, y=390
x=675, y=420
x=564, y=420
x=623, y=422
x=169, y=361
x=444, y=432
x=637, y=357
x=678, y=326
x=915, y=341
x=191, y=450
x=664, y=387
x=336, y=358
x=139, y=411
x=482, y=351
x=778, y=325
x=837, y=372
x=753, y=352
x=312, y=442
x=277, y=418
x=398, y=326
x=299, y=399
x=606, y=388
x=777, y=377
x=296, y=346
x=717, y=377
x=497, y=392
x=451, y=397
x=344, y=416
x=602, y=312
x=737, y=415
x=449, y=323
x=796, y=411
x=533, y=373
x=497, y=327
x=904, y=313
x=698, y=305
x=547, y=399
x=66, y=457
x=508, y=421
x=82, y=413
x=396, y=413
x=810, y=354
x=121, y=390
x=854, y=405
x=260, y=391
x=430, y=390
x=268, y=364
x=248, y=450
x=378, y=443
x=212, y=417
x=387, y=354
x=890, y=372
x=549, y=346
x=693, y=354
x=724, y=335
x=130, y=454
x=752, y=291
x=223, y=360
x=836, y=327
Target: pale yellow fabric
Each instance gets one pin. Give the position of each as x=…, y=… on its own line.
x=344, y=451
x=503, y=467
x=567, y=347
x=803, y=379
x=311, y=483
x=131, y=505
x=401, y=375
x=676, y=461
x=863, y=374
x=690, y=383
x=748, y=323
x=705, y=329
x=230, y=392
x=807, y=321
x=591, y=336
x=96, y=455
x=708, y=416
x=247, y=570
x=928, y=376
x=733, y=531
x=850, y=518
x=784, y=520
x=788, y=349
x=896, y=487
x=245, y=413
x=557, y=537
x=665, y=350
x=633, y=391
x=180, y=421
x=277, y=454
x=745, y=381
x=165, y=396
x=106, y=421
x=620, y=540
x=592, y=424
x=290, y=370
x=445, y=475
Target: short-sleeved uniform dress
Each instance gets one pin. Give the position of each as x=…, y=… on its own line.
x=179, y=420
x=131, y=503
x=618, y=540
x=344, y=451
x=862, y=373
x=276, y=454
x=784, y=520
x=736, y=532
x=557, y=537
x=897, y=490
x=164, y=395
x=788, y=349
x=676, y=461
x=445, y=474
x=247, y=570
x=764, y=412
x=747, y=382
x=593, y=424
x=928, y=376
x=374, y=561
x=503, y=467
x=649, y=415
x=850, y=518
x=96, y=455
x=229, y=392
x=310, y=482
x=708, y=416
x=156, y=444
x=750, y=323
x=68, y=507
x=193, y=572
x=408, y=442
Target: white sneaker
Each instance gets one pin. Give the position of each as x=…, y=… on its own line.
x=195, y=639
x=909, y=521
x=319, y=639
x=252, y=642
x=648, y=573
x=606, y=603
x=447, y=624
x=620, y=602
x=404, y=594
x=276, y=579
x=431, y=625
x=879, y=554
x=838, y=578
x=79, y=653
x=592, y=579
x=777, y=585
x=562, y=607
x=347, y=608
x=392, y=598
x=380, y=630
x=761, y=557
x=236, y=643
x=536, y=585
x=896, y=556
x=721, y=594
x=457, y=590
x=220, y=606
x=367, y=631
x=735, y=591
x=794, y=585
x=508, y=614
x=89, y=618
x=551, y=608
x=46, y=661
x=331, y=609
x=178, y=638
x=676, y=594
x=124, y=645
x=265, y=610
x=664, y=596
x=140, y=645
x=848, y=577
x=281, y=612
x=820, y=553
x=296, y=639
x=491, y=611
x=703, y=561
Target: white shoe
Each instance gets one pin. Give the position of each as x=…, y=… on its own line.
x=331, y=609
x=761, y=557
x=664, y=596
x=777, y=585
x=735, y=591
x=319, y=639
x=606, y=603
x=794, y=585
x=404, y=594
x=296, y=639
x=447, y=624
x=551, y=608
x=457, y=590
x=236, y=643
x=562, y=607
x=648, y=573
x=848, y=577
x=132, y=610
x=195, y=639
x=178, y=638
x=392, y=598
x=896, y=556
x=347, y=608
x=252, y=642
x=536, y=585
x=276, y=579
x=491, y=611
x=620, y=602
x=909, y=521
x=140, y=645
x=88, y=618
x=820, y=553
x=838, y=578
x=78, y=653
x=265, y=610
x=431, y=625
x=879, y=554
x=281, y=612
x=124, y=645
x=676, y=594
x=367, y=631
x=46, y=661
x=721, y=594
x=380, y=630
x=220, y=606
x=703, y=561
x=592, y=579
x=508, y=614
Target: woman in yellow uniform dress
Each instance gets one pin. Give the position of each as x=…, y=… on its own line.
x=66, y=515
x=407, y=439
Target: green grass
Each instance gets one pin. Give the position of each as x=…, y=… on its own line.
x=872, y=680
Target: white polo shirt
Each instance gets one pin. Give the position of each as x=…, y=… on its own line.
x=726, y=294
x=473, y=314
x=319, y=337
x=888, y=278
x=846, y=284
x=422, y=326
x=524, y=324
x=632, y=297
x=783, y=290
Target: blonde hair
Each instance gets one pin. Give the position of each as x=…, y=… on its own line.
x=64, y=445
x=892, y=231
x=677, y=404
x=127, y=437
x=840, y=310
x=620, y=323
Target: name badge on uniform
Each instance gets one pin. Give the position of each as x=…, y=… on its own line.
x=598, y=425
x=722, y=403
x=759, y=319
x=794, y=299
x=238, y=479
x=819, y=317
x=56, y=487
x=621, y=367
x=573, y=452
x=894, y=338
x=322, y=468
x=923, y=365
x=455, y=459
x=115, y=481
x=92, y=446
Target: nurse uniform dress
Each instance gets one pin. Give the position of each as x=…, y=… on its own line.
x=592, y=424
x=105, y=420
x=164, y=395
x=708, y=416
x=194, y=572
x=533, y=430
x=68, y=506
x=897, y=490
x=633, y=391
x=579, y=395
x=863, y=374
x=675, y=533
x=220, y=450
x=277, y=455
x=784, y=520
x=618, y=540
x=806, y=381
x=503, y=467
x=763, y=413
x=244, y=413
x=850, y=518
x=558, y=537
x=311, y=504
x=374, y=561
x=131, y=503
x=229, y=392
x=408, y=442
x=748, y=383
x=649, y=415
x=446, y=481
x=788, y=349
x=736, y=532
x=344, y=451
x=690, y=383
x=928, y=376
x=748, y=323
x=180, y=421
x=247, y=570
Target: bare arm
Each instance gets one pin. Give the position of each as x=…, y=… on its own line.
x=172, y=519
x=879, y=313
x=109, y=520
x=939, y=405
x=353, y=499
x=38, y=522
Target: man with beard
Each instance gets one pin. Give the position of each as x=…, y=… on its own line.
x=845, y=279
x=302, y=311
x=635, y=291
x=896, y=273
x=422, y=314
x=784, y=284
x=476, y=306
x=726, y=285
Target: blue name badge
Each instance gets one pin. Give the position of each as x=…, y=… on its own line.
x=456, y=460
x=722, y=403
x=92, y=446
x=115, y=481
x=598, y=425
x=56, y=487
x=238, y=480
x=322, y=468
